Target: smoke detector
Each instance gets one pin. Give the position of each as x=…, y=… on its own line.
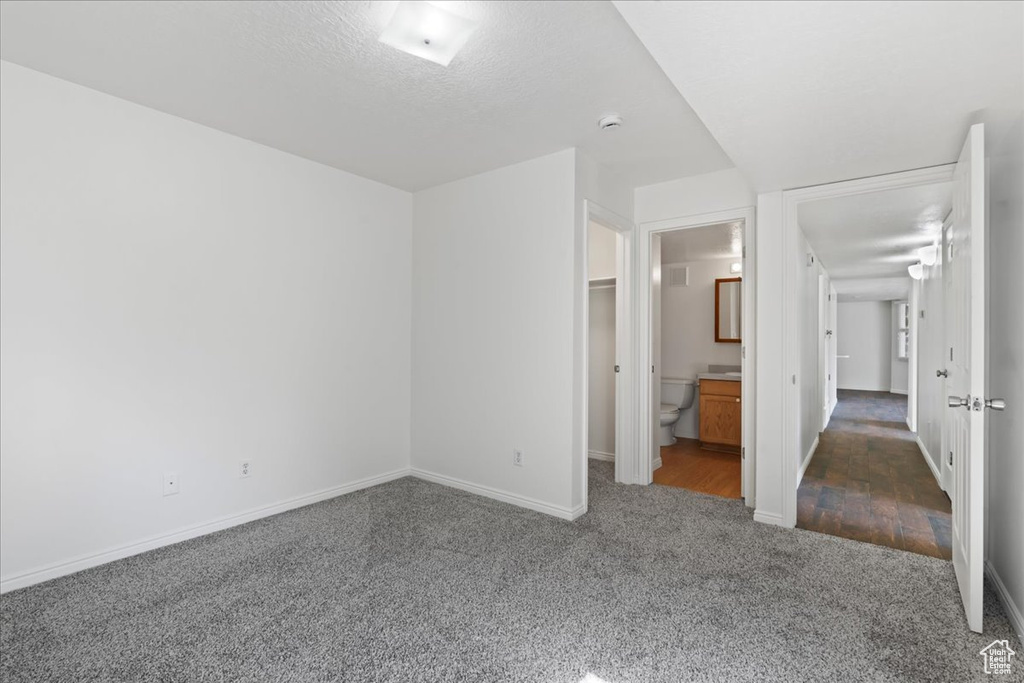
x=609, y=121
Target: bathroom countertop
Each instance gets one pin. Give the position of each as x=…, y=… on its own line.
x=719, y=375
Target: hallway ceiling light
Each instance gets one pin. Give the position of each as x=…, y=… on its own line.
x=735, y=267
x=916, y=271
x=427, y=31
x=929, y=255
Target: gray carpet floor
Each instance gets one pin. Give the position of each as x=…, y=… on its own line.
x=411, y=581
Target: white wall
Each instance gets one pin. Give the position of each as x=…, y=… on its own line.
x=931, y=353
x=809, y=417
x=175, y=299
x=899, y=368
x=774, y=386
x=864, y=333
x=493, y=330
x=688, y=343
x=692, y=196
x=600, y=251
x=601, y=381
x=1005, y=468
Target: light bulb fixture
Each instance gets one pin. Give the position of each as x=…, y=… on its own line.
x=735, y=268
x=427, y=31
x=916, y=271
x=929, y=255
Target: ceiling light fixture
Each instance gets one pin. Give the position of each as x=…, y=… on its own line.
x=916, y=271
x=929, y=255
x=427, y=31
x=609, y=121
x=735, y=268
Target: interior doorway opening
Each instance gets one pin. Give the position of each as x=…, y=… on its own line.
x=697, y=308
x=687, y=363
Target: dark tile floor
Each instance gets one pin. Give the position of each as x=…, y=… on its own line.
x=868, y=480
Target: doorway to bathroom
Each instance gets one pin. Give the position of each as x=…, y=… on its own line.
x=700, y=307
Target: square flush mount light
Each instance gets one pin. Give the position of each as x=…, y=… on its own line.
x=427, y=31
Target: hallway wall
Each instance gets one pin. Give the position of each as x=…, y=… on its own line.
x=931, y=408
x=864, y=332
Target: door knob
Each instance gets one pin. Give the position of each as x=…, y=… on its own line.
x=942, y=373
x=957, y=402
x=995, y=403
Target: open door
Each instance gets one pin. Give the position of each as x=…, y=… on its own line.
x=965, y=338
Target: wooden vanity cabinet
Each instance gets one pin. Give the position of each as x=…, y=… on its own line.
x=721, y=423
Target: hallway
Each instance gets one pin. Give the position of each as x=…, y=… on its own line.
x=868, y=480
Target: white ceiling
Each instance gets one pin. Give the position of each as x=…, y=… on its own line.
x=866, y=241
x=720, y=241
x=805, y=93
x=311, y=78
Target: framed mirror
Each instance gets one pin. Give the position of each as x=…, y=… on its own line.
x=728, y=309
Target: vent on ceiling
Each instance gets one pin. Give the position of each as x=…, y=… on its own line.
x=678, y=276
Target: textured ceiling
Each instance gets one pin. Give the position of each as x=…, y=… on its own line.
x=805, y=93
x=311, y=78
x=721, y=241
x=866, y=241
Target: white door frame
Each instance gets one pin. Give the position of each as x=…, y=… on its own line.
x=644, y=343
x=791, y=200
x=625, y=413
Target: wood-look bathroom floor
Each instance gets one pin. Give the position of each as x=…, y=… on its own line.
x=686, y=465
x=868, y=480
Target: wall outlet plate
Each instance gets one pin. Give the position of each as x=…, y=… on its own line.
x=517, y=457
x=244, y=469
x=171, y=484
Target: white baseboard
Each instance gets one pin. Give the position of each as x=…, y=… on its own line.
x=931, y=463
x=498, y=494
x=769, y=518
x=601, y=455
x=807, y=460
x=656, y=463
x=1012, y=610
x=77, y=564
x=901, y=392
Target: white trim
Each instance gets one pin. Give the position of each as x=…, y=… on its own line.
x=77, y=564
x=769, y=518
x=497, y=494
x=807, y=461
x=655, y=465
x=931, y=463
x=791, y=199
x=893, y=390
x=646, y=432
x=601, y=455
x=1013, y=612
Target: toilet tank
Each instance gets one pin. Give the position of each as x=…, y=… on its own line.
x=678, y=392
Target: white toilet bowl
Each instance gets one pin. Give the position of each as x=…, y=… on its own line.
x=676, y=396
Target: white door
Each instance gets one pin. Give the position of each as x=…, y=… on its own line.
x=965, y=338
x=623, y=349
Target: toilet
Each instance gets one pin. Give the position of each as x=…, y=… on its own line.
x=676, y=396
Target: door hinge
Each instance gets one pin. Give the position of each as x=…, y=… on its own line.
x=951, y=354
x=743, y=453
x=743, y=351
x=616, y=368
x=652, y=369
x=951, y=458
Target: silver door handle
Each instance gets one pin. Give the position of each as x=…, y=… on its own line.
x=942, y=373
x=957, y=402
x=995, y=403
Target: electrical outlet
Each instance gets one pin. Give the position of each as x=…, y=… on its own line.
x=517, y=457
x=171, y=484
x=244, y=469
